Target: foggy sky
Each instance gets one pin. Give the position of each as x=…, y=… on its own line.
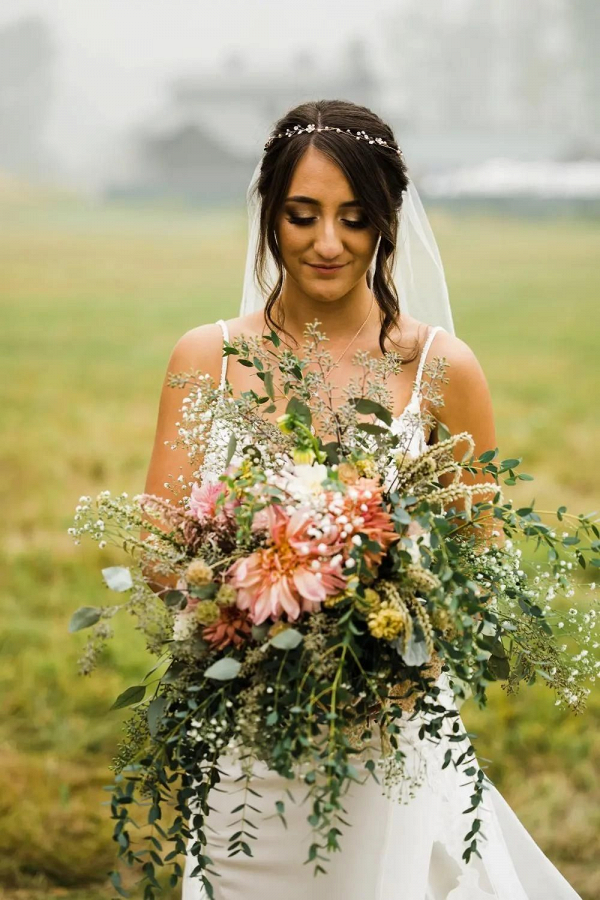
x=114, y=57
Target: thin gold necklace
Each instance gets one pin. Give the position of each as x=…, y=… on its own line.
x=345, y=350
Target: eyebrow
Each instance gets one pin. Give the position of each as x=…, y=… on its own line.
x=298, y=198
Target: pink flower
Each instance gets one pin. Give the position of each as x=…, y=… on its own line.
x=203, y=503
x=361, y=510
x=292, y=574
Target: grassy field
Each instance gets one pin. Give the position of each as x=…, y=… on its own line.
x=93, y=300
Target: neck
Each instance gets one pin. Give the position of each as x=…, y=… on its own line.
x=339, y=318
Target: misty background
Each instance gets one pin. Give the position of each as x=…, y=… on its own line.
x=175, y=99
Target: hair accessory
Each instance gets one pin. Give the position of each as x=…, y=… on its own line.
x=359, y=135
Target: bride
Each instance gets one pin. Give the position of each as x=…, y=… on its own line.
x=338, y=235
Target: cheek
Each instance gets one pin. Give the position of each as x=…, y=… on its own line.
x=291, y=240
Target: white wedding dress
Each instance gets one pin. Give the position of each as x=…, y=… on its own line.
x=392, y=850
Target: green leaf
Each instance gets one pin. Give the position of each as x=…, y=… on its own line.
x=224, y=669
x=115, y=879
x=371, y=428
x=274, y=338
x=287, y=639
x=299, y=409
x=269, y=387
x=230, y=449
x=443, y=432
x=510, y=463
x=487, y=456
x=130, y=696
x=371, y=408
x=118, y=578
x=84, y=617
x=525, y=477
x=499, y=666
x=175, y=599
x=259, y=632
x=204, y=591
x=155, y=712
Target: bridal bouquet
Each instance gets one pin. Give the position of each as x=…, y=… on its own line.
x=307, y=598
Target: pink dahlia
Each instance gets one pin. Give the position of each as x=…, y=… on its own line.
x=292, y=574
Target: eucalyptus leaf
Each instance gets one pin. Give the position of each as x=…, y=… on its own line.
x=84, y=617
x=230, y=449
x=443, y=431
x=259, y=632
x=118, y=578
x=132, y=695
x=296, y=407
x=371, y=408
x=269, y=387
x=224, y=669
x=175, y=599
x=287, y=639
x=155, y=712
x=371, y=428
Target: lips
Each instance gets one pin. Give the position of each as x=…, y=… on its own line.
x=325, y=268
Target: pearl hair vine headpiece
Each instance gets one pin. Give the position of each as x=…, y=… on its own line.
x=359, y=135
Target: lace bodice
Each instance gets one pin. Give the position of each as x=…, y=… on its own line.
x=408, y=425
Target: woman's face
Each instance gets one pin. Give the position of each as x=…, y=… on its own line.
x=322, y=224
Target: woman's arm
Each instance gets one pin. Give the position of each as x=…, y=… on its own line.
x=199, y=349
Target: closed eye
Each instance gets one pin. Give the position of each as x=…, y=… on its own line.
x=306, y=220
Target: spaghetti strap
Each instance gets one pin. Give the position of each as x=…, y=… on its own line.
x=225, y=331
x=432, y=333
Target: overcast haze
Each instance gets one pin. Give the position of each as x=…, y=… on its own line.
x=115, y=57
x=155, y=97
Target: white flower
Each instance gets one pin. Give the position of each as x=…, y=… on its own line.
x=306, y=480
x=184, y=625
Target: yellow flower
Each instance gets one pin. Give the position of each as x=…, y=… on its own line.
x=334, y=599
x=387, y=623
x=226, y=595
x=304, y=456
x=278, y=627
x=198, y=572
x=207, y=612
x=366, y=467
x=371, y=602
x=285, y=423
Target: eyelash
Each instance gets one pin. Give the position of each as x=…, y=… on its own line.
x=306, y=220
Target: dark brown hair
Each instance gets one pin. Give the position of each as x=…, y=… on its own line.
x=377, y=174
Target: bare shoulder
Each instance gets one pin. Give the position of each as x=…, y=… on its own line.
x=464, y=371
x=199, y=348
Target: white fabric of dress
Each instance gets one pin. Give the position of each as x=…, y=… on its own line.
x=395, y=848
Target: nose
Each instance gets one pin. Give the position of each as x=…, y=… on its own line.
x=328, y=245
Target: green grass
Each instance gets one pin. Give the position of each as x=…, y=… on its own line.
x=93, y=300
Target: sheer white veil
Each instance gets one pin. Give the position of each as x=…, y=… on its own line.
x=418, y=272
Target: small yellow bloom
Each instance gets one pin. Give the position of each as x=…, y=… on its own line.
x=226, y=595
x=303, y=457
x=285, y=423
x=371, y=601
x=207, y=612
x=277, y=627
x=198, y=572
x=366, y=467
x=334, y=599
x=387, y=623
